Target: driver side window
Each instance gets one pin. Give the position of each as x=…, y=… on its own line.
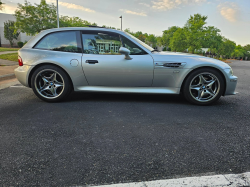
x=134, y=49
x=103, y=43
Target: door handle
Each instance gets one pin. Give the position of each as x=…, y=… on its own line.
x=92, y=61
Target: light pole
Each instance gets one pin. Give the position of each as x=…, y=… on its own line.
x=121, y=22
x=57, y=14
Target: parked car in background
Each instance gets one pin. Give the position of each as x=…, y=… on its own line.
x=60, y=60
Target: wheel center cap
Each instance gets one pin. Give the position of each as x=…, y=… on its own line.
x=51, y=83
x=203, y=87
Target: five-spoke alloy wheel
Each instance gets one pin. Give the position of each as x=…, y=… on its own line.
x=50, y=83
x=203, y=86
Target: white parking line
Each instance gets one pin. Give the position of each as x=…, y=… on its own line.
x=17, y=86
x=232, y=180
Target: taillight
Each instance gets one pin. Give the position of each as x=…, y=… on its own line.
x=20, y=61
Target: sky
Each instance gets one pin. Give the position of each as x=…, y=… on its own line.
x=232, y=17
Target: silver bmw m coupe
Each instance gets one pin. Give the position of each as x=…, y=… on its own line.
x=94, y=59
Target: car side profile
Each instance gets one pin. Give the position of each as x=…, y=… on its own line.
x=57, y=61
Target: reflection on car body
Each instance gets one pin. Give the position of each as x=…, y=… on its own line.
x=57, y=61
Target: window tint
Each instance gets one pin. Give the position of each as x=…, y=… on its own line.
x=134, y=49
x=104, y=43
x=61, y=41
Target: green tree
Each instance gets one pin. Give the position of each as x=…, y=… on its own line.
x=247, y=47
x=33, y=19
x=141, y=36
x=227, y=47
x=159, y=41
x=1, y=5
x=239, y=52
x=10, y=32
x=128, y=31
x=195, y=34
x=212, y=38
x=66, y=21
x=167, y=35
x=178, y=41
x=151, y=40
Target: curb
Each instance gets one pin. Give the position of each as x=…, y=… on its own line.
x=8, y=76
x=233, y=180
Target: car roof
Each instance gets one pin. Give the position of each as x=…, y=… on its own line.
x=82, y=28
x=37, y=37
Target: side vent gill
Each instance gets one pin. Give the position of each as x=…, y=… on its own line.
x=172, y=65
x=169, y=64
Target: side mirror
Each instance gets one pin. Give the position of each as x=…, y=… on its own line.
x=126, y=52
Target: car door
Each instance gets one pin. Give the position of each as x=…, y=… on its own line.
x=103, y=65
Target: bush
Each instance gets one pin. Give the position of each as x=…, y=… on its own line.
x=199, y=51
x=20, y=44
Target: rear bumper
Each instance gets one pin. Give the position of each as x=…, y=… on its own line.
x=22, y=74
x=231, y=85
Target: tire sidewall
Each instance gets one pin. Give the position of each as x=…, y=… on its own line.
x=67, y=84
x=190, y=77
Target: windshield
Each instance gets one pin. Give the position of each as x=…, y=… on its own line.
x=140, y=42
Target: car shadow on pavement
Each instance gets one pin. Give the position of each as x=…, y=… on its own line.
x=136, y=97
x=128, y=97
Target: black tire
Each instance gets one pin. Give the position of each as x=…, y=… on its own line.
x=189, y=93
x=55, y=83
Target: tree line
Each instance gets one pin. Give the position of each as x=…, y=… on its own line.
x=194, y=35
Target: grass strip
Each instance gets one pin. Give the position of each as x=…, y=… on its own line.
x=8, y=49
x=10, y=56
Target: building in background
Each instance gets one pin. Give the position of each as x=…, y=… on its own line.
x=5, y=43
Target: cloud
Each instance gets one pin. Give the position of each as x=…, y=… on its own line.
x=72, y=6
x=171, y=4
x=230, y=11
x=8, y=7
x=144, y=4
x=134, y=13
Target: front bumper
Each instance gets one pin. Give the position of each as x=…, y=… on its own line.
x=231, y=85
x=22, y=74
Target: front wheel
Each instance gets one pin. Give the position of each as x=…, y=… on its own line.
x=50, y=83
x=203, y=86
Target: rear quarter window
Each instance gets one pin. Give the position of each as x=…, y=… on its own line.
x=68, y=41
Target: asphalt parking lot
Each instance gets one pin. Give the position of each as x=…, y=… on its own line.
x=94, y=138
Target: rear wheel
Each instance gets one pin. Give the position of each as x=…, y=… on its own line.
x=50, y=83
x=203, y=86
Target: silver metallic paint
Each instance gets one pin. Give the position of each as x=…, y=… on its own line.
x=116, y=71
x=113, y=73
